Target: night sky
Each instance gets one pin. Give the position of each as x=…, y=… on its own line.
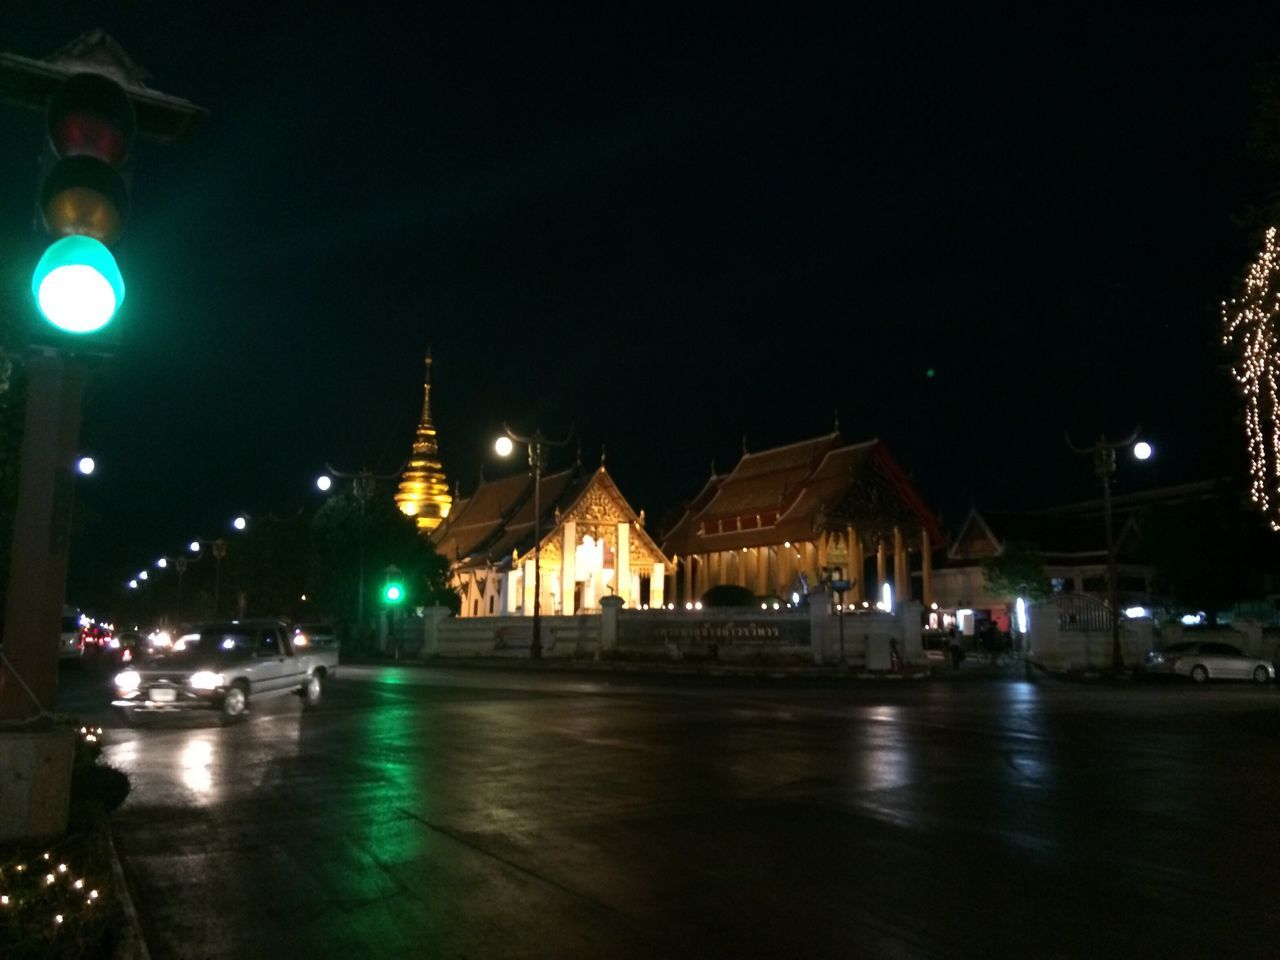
x=668, y=232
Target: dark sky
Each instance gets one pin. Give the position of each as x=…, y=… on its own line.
x=670, y=232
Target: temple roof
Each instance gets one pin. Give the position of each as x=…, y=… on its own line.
x=495, y=522
x=790, y=492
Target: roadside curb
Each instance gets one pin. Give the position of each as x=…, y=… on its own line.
x=132, y=945
x=674, y=669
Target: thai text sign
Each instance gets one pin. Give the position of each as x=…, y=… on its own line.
x=685, y=630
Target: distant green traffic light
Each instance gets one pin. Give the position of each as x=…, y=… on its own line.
x=77, y=285
x=392, y=593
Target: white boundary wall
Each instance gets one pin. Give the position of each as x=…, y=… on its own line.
x=1069, y=649
x=743, y=635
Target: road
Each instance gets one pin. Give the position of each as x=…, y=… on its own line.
x=491, y=813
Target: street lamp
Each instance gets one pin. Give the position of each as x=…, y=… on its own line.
x=363, y=486
x=1103, y=453
x=218, y=548
x=180, y=566
x=536, y=445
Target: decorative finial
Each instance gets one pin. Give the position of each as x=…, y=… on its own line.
x=640, y=519
x=602, y=455
x=457, y=490
x=557, y=513
x=577, y=457
x=713, y=466
x=836, y=427
x=744, y=444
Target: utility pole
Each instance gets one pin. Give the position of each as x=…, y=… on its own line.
x=1103, y=453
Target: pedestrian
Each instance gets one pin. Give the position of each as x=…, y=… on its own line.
x=953, y=645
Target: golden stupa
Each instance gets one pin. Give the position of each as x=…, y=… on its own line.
x=424, y=493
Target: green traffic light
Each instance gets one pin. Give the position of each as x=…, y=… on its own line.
x=392, y=593
x=77, y=285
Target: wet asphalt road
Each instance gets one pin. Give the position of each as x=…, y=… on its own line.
x=463, y=812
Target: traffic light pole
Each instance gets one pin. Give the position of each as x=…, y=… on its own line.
x=41, y=536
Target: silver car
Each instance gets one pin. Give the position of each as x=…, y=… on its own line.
x=1204, y=660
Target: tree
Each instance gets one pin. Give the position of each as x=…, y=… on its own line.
x=344, y=529
x=1017, y=571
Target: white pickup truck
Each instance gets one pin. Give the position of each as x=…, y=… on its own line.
x=223, y=666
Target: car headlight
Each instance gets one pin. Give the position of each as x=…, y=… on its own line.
x=204, y=680
x=127, y=681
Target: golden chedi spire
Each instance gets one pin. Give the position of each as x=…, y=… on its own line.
x=424, y=492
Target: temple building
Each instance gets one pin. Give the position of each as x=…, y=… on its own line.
x=424, y=492
x=784, y=520
x=592, y=545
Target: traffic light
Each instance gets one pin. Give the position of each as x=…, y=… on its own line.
x=392, y=592
x=84, y=204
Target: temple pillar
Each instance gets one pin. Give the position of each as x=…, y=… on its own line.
x=926, y=570
x=901, y=570
x=657, y=585
x=527, y=609
x=622, y=564
x=688, y=576
x=568, y=571
x=762, y=571
x=881, y=573
x=854, y=573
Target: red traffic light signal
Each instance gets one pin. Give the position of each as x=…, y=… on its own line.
x=91, y=116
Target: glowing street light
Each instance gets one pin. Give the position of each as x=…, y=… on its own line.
x=1142, y=450
x=536, y=445
x=323, y=483
x=194, y=546
x=162, y=563
x=85, y=465
x=240, y=522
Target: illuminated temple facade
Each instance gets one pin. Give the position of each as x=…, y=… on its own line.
x=593, y=545
x=783, y=520
x=424, y=492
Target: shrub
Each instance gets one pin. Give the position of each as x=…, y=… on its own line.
x=728, y=595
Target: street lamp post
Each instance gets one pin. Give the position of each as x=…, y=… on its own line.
x=363, y=486
x=1103, y=453
x=536, y=446
x=219, y=550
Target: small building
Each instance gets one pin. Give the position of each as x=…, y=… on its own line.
x=785, y=519
x=592, y=545
x=1070, y=541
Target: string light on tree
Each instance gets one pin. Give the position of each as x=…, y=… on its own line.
x=1249, y=323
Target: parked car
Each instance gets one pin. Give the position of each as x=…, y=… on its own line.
x=223, y=666
x=69, y=642
x=1204, y=660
